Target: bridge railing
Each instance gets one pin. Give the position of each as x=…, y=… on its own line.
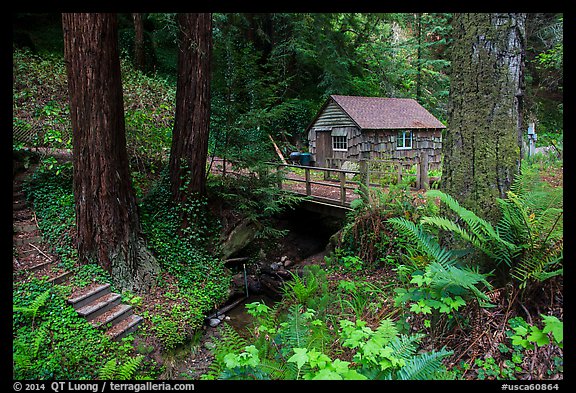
x=337, y=186
x=320, y=187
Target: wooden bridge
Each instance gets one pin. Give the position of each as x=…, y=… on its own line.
x=331, y=190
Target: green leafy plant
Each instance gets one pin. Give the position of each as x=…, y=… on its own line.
x=32, y=309
x=290, y=349
x=113, y=370
x=532, y=219
x=60, y=344
x=526, y=335
x=442, y=271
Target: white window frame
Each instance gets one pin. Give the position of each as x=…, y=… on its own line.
x=338, y=140
x=402, y=136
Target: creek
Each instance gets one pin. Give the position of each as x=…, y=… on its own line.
x=267, y=265
x=260, y=275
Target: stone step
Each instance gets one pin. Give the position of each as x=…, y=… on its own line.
x=113, y=316
x=25, y=240
x=18, y=205
x=88, y=295
x=60, y=278
x=103, y=309
x=99, y=306
x=39, y=266
x=22, y=227
x=125, y=327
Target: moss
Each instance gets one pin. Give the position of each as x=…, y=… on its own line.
x=481, y=147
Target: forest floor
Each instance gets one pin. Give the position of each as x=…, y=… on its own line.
x=190, y=362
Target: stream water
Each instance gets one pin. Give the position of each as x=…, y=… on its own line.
x=308, y=235
x=240, y=320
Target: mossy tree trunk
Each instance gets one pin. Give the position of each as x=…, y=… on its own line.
x=107, y=223
x=482, y=145
x=192, y=119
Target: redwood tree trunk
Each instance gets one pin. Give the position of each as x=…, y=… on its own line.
x=482, y=144
x=139, y=57
x=191, y=126
x=108, y=229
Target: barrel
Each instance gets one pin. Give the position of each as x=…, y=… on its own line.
x=305, y=159
x=295, y=157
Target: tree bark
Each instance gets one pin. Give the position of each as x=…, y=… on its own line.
x=482, y=146
x=192, y=119
x=139, y=57
x=108, y=228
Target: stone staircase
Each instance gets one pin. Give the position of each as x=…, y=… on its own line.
x=33, y=255
x=104, y=310
x=96, y=302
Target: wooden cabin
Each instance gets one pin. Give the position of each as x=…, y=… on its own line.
x=352, y=127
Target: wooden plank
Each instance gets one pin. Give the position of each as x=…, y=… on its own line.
x=342, y=187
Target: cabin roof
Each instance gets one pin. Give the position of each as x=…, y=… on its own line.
x=386, y=113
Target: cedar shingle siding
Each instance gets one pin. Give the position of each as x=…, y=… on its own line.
x=372, y=125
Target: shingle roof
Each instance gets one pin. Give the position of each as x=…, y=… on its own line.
x=386, y=113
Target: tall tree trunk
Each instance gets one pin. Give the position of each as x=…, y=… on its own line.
x=482, y=144
x=139, y=57
x=108, y=228
x=419, y=57
x=191, y=126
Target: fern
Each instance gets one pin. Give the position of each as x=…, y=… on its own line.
x=532, y=219
x=443, y=269
x=295, y=331
x=26, y=353
x=277, y=369
x=301, y=289
x=230, y=342
x=39, y=338
x=108, y=371
x=424, y=241
x=424, y=366
x=480, y=227
x=527, y=239
x=404, y=347
x=459, y=280
x=481, y=234
x=127, y=371
x=32, y=310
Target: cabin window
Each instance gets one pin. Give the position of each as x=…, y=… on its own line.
x=404, y=140
x=340, y=143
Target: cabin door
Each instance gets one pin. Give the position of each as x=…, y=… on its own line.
x=323, y=147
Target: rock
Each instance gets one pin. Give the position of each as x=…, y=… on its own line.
x=275, y=265
x=271, y=287
x=288, y=262
x=240, y=237
x=284, y=259
x=213, y=322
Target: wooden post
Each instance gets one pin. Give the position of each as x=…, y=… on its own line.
x=399, y=172
x=279, y=176
x=424, y=181
x=364, y=180
x=342, y=187
x=308, y=185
